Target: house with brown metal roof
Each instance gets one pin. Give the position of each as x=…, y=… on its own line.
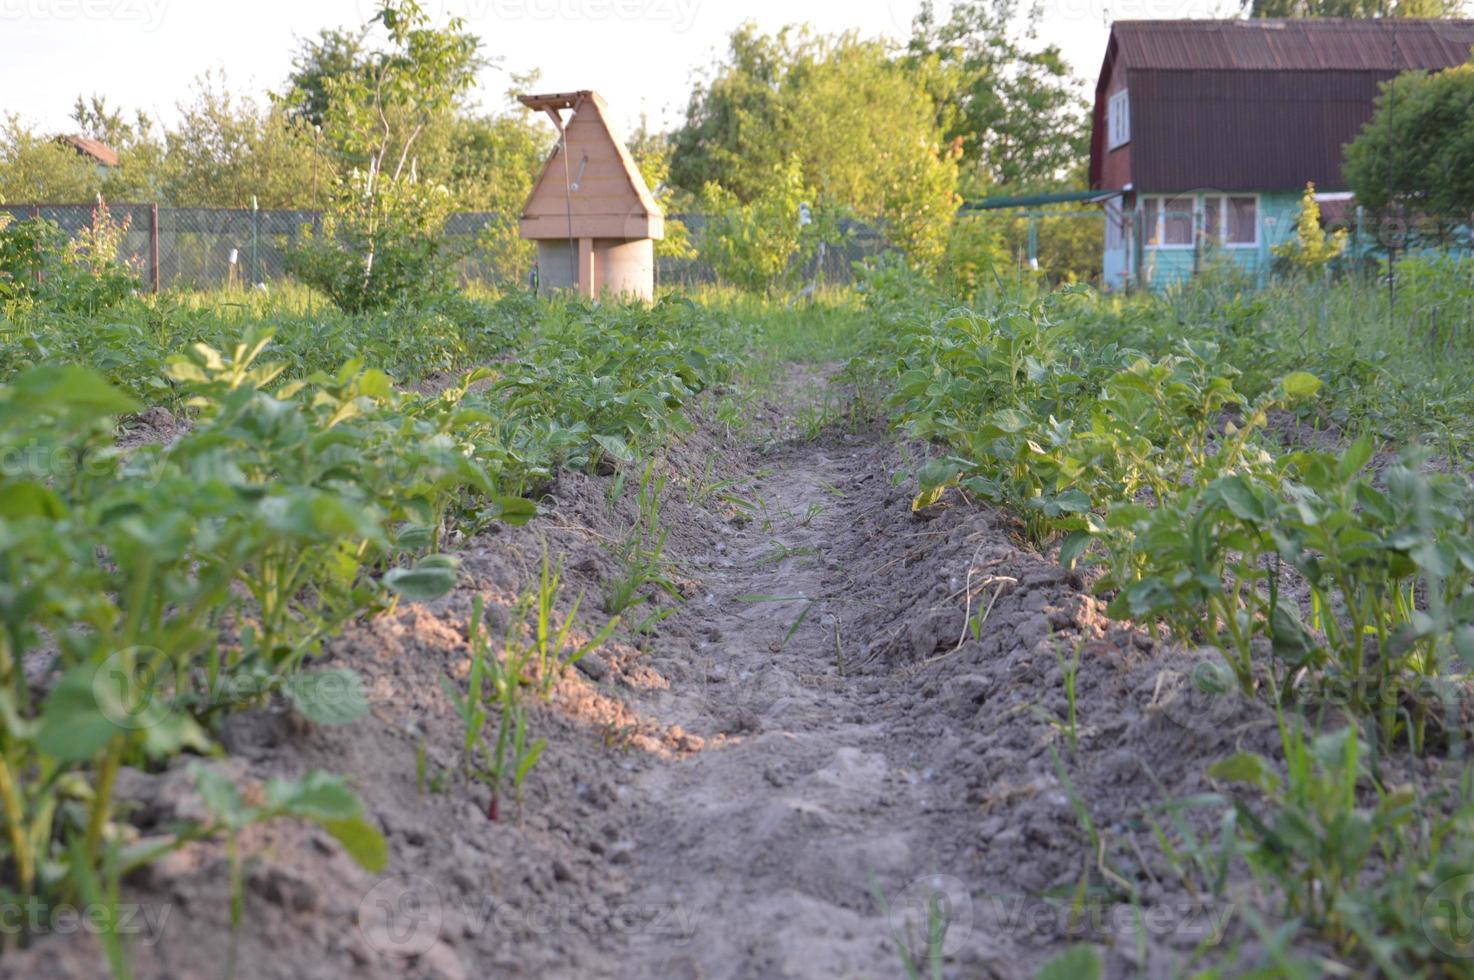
x=90, y=149
x=1210, y=130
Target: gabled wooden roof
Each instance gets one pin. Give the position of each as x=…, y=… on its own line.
x=597, y=192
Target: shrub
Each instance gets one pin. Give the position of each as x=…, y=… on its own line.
x=39, y=264
x=377, y=247
x=752, y=245
x=1312, y=248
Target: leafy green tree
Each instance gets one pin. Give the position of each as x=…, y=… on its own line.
x=859, y=124
x=868, y=144
x=753, y=244
x=226, y=150
x=736, y=132
x=97, y=120
x=1416, y=154
x=1013, y=110
x=334, y=57
x=37, y=168
x=1354, y=8
x=381, y=240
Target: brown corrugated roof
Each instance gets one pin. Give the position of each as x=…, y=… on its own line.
x=1255, y=104
x=1318, y=44
x=96, y=149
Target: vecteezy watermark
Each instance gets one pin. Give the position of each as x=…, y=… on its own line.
x=38, y=459
x=1448, y=917
x=401, y=915
x=932, y=911
x=679, y=14
x=148, y=14
x=134, y=688
x=405, y=915
x=143, y=924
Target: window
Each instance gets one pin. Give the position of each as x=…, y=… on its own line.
x=1231, y=220
x=1118, y=120
x=1241, y=223
x=1177, y=220
x=1213, y=219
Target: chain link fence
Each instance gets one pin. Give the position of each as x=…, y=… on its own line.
x=212, y=248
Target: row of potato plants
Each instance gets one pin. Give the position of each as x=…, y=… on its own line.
x=1159, y=472
x=147, y=591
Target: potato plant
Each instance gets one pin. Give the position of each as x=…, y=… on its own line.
x=1144, y=448
x=170, y=583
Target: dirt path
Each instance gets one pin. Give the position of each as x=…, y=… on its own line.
x=873, y=760
x=764, y=851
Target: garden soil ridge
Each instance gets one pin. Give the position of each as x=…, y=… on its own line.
x=773, y=783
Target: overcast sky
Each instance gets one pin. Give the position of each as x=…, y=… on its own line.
x=640, y=54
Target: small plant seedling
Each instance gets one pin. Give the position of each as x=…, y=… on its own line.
x=642, y=553
x=1069, y=671
x=778, y=553
x=927, y=957
x=497, y=682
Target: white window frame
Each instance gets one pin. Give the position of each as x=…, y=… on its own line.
x=1118, y=120
x=1223, y=220
x=1155, y=238
x=1200, y=223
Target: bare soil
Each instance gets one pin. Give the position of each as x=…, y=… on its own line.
x=778, y=780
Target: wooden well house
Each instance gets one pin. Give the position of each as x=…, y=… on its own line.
x=594, y=220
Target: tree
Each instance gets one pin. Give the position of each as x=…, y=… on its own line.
x=752, y=244
x=381, y=231
x=736, y=129
x=97, y=120
x=1353, y=8
x=859, y=125
x=227, y=150
x=333, y=58
x=1416, y=154
x=1013, y=111
x=37, y=168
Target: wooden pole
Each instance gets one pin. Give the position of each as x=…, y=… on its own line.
x=153, y=244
